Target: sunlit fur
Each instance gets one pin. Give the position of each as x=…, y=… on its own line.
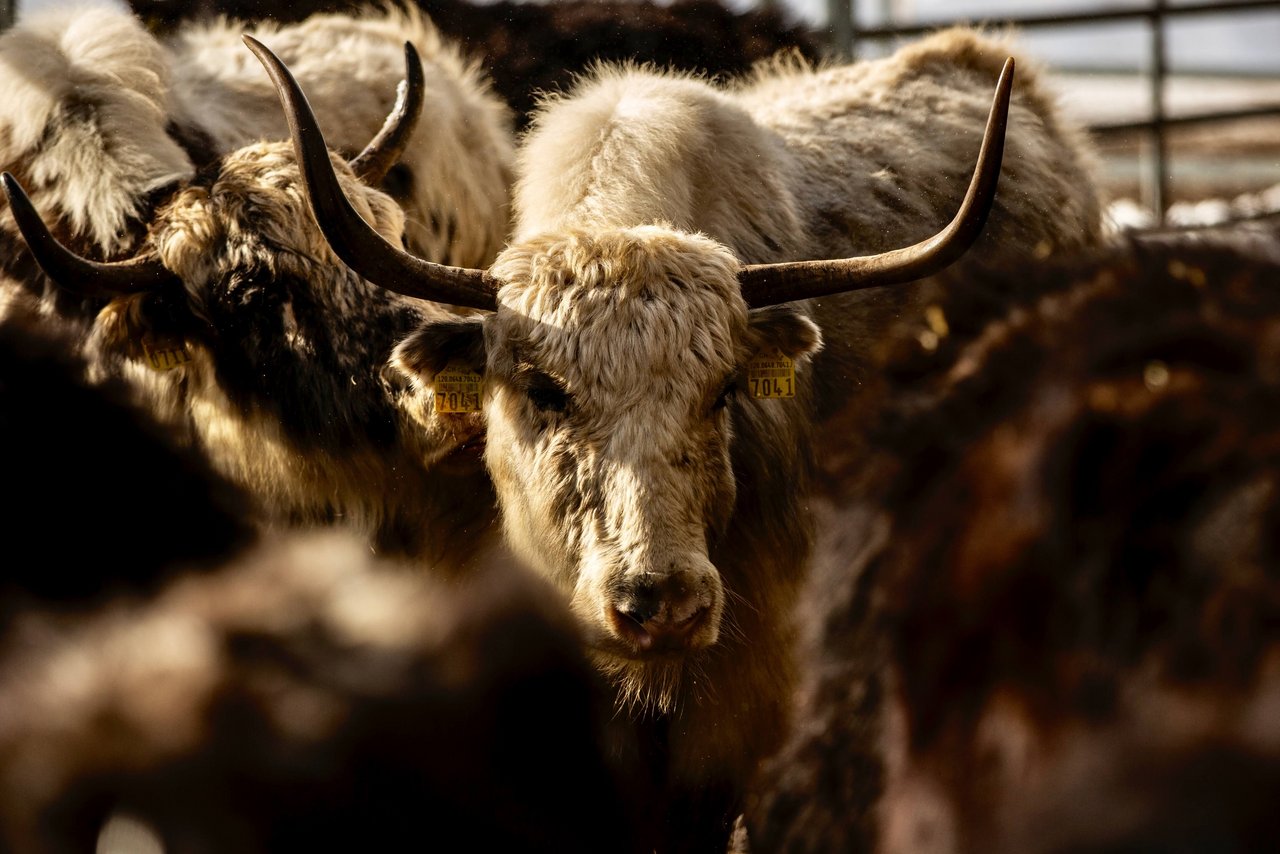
x=99, y=120
x=458, y=160
x=285, y=391
x=83, y=115
x=638, y=195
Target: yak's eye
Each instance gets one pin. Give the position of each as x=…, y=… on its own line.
x=726, y=394
x=546, y=395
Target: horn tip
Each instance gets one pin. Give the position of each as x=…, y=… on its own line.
x=413, y=64
x=17, y=196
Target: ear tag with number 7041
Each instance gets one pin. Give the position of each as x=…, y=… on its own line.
x=457, y=389
x=771, y=374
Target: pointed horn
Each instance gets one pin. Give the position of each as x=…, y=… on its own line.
x=105, y=279
x=771, y=284
x=372, y=164
x=351, y=238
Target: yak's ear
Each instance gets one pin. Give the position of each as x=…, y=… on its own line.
x=153, y=327
x=437, y=344
x=785, y=328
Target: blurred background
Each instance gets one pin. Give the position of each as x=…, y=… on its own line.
x=1183, y=95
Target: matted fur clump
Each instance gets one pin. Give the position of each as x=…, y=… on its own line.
x=307, y=698
x=1050, y=620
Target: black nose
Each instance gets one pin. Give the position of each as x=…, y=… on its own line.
x=662, y=612
x=641, y=603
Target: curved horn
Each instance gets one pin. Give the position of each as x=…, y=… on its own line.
x=770, y=284
x=67, y=269
x=350, y=237
x=372, y=164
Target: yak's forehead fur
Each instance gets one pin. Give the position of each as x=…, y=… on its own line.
x=250, y=210
x=83, y=117
x=599, y=310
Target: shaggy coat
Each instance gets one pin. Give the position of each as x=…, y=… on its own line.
x=304, y=699
x=531, y=48
x=454, y=176
x=631, y=466
x=282, y=385
x=1045, y=617
x=100, y=120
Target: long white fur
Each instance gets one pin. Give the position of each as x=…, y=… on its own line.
x=89, y=96
x=461, y=154
x=90, y=166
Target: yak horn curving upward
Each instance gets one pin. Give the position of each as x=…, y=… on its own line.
x=770, y=284
x=105, y=279
x=372, y=164
x=351, y=238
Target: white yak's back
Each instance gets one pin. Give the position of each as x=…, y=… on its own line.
x=802, y=163
x=881, y=147
x=658, y=148
x=456, y=169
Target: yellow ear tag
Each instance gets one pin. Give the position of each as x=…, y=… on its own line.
x=457, y=389
x=165, y=354
x=771, y=374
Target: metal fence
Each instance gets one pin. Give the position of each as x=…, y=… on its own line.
x=846, y=37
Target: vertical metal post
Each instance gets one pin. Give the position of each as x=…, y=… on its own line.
x=1158, y=191
x=840, y=20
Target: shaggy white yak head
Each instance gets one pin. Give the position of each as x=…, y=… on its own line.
x=608, y=361
x=608, y=369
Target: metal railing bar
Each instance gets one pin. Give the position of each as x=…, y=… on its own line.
x=1159, y=174
x=1073, y=18
x=1110, y=128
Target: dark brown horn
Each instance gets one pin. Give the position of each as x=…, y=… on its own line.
x=372, y=164
x=68, y=270
x=351, y=238
x=771, y=284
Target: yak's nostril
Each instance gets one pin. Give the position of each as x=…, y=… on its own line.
x=630, y=629
x=642, y=605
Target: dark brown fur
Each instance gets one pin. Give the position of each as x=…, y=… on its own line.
x=308, y=699
x=98, y=499
x=1066, y=525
